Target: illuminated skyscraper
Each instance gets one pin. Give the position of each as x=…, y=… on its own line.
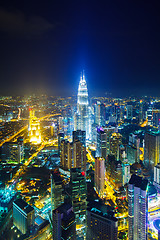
x=34, y=128
x=100, y=114
x=115, y=141
x=156, y=117
x=137, y=208
x=149, y=115
x=101, y=143
x=152, y=148
x=129, y=111
x=60, y=138
x=81, y=118
x=13, y=152
x=79, y=135
x=66, y=154
x=99, y=175
x=157, y=175
x=79, y=155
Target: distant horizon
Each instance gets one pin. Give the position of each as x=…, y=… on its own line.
x=75, y=95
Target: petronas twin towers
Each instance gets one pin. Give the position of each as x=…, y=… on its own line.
x=81, y=118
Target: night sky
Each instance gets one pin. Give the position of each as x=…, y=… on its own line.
x=44, y=45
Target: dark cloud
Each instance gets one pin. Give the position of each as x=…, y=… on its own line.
x=16, y=23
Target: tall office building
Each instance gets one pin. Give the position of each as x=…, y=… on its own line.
x=81, y=118
x=20, y=149
x=108, y=130
x=133, y=148
x=13, y=152
x=78, y=193
x=101, y=150
x=119, y=113
x=140, y=112
x=114, y=142
x=149, y=115
x=129, y=111
x=66, y=154
x=151, y=148
x=126, y=172
x=156, y=117
x=61, y=124
x=60, y=138
x=101, y=224
x=79, y=135
x=99, y=175
x=23, y=215
x=157, y=175
x=57, y=197
x=79, y=155
x=137, y=208
x=64, y=225
x=100, y=114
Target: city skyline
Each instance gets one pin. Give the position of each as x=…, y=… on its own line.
x=79, y=120
x=46, y=48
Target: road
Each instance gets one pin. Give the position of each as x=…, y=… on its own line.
x=25, y=128
x=13, y=136
x=21, y=170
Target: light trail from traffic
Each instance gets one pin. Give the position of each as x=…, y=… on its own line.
x=14, y=135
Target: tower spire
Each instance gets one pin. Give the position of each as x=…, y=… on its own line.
x=83, y=75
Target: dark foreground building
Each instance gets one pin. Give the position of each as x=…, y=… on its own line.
x=101, y=224
x=64, y=225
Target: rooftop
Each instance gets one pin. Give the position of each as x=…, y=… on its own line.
x=57, y=178
x=138, y=182
x=23, y=205
x=101, y=210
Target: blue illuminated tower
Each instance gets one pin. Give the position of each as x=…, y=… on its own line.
x=81, y=118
